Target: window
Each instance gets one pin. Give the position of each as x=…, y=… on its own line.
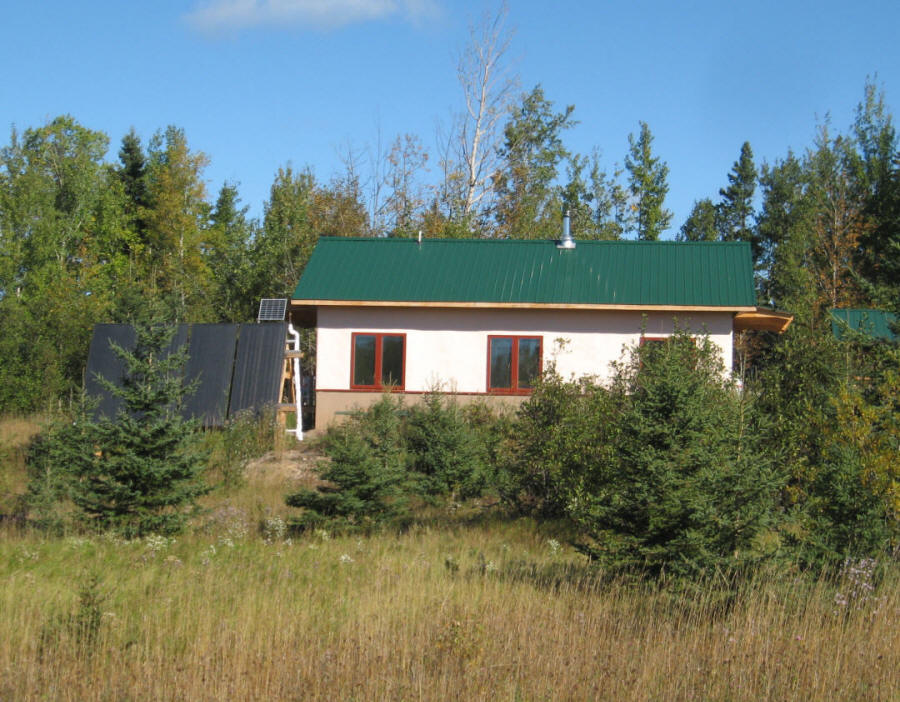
x=656, y=346
x=514, y=363
x=378, y=361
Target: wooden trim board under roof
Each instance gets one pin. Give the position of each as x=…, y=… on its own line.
x=763, y=319
x=299, y=305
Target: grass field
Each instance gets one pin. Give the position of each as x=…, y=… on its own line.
x=465, y=607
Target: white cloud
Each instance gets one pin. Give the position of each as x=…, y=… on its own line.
x=225, y=15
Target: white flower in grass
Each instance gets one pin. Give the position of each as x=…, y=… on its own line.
x=156, y=543
x=345, y=558
x=274, y=529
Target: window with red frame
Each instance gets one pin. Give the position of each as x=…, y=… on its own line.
x=378, y=362
x=514, y=363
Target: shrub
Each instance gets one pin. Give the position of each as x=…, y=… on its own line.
x=367, y=476
x=387, y=454
x=663, y=469
x=449, y=456
x=561, y=428
x=835, y=413
x=244, y=437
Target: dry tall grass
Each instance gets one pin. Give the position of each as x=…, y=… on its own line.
x=15, y=433
x=488, y=612
x=495, y=611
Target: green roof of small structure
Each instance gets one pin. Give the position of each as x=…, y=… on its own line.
x=872, y=322
x=666, y=273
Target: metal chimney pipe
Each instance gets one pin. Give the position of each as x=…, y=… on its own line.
x=567, y=242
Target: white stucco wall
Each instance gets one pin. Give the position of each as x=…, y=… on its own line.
x=448, y=347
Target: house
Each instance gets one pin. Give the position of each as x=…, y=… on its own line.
x=482, y=318
x=874, y=323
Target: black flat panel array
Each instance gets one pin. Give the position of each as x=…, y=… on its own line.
x=179, y=340
x=236, y=367
x=258, y=367
x=210, y=364
x=103, y=362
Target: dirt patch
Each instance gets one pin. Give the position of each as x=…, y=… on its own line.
x=294, y=467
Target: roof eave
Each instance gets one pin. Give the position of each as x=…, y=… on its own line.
x=305, y=303
x=763, y=319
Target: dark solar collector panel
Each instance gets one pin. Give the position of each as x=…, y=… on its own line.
x=178, y=342
x=237, y=367
x=103, y=362
x=258, y=366
x=210, y=363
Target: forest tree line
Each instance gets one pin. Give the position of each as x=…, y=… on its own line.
x=89, y=236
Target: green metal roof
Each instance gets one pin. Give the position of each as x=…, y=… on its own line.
x=875, y=323
x=716, y=274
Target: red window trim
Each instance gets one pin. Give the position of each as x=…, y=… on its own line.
x=514, y=377
x=378, y=360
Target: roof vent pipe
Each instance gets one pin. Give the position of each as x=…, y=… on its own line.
x=567, y=242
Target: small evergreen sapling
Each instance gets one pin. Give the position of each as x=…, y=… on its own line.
x=142, y=471
x=368, y=481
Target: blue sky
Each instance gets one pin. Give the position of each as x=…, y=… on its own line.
x=258, y=84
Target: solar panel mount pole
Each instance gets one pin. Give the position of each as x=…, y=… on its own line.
x=298, y=385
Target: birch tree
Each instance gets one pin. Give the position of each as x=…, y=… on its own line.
x=488, y=88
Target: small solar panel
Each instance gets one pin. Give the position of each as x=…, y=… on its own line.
x=272, y=309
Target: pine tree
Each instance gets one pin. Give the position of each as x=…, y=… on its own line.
x=141, y=471
x=647, y=182
x=593, y=200
x=735, y=210
x=784, y=236
x=877, y=169
x=230, y=235
x=701, y=223
x=528, y=203
x=367, y=477
x=133, y=173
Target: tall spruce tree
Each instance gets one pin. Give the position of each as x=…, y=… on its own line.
x=784, y=237
x=133, y=173
x=231, y=234
x=877, y=167
x=701, y=223
x=647, y=176
x=735, y=210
